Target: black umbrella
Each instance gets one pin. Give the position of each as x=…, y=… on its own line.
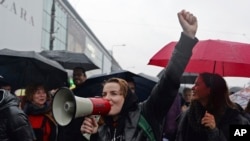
x=187, y=78
x=69, y=59
x=143, y=85
x=21, y=68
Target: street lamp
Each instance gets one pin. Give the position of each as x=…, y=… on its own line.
x=52, y=25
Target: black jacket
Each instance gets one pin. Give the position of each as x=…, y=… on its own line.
x=188, y=132
x=14, y=124
x=155, y=108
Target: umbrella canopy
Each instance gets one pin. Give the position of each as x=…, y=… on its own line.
x=21, y=68
x=187, y=78
x=70, y=60
x=216, y=56
x=143, y=85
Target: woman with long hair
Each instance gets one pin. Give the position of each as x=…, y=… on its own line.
x=211, y=111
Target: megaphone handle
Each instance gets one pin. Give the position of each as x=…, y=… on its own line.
x=86, y=135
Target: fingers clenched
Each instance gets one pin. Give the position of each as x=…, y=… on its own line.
x=208, y=121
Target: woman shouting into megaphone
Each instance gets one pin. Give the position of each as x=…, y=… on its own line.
x=129, y=120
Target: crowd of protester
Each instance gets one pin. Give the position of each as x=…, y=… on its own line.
x=203, y=112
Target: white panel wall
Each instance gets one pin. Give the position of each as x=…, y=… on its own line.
x=21, y=24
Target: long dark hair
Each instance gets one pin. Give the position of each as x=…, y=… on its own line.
x=219, y=93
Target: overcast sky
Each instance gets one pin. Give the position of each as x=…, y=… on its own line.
x=145, y=26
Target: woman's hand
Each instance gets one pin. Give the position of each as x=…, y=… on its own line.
x=89, y=125
x=188, y=23
x=208, y=121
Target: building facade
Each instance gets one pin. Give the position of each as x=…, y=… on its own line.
x=51, y=25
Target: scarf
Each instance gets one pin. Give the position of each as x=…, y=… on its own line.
x=32, y=109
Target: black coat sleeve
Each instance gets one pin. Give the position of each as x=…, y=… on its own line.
x=163, y=94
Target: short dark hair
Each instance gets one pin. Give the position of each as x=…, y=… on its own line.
x=80, y=68
x=129, y=79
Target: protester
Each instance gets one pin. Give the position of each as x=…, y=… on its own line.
x=79, y=76
x=130, y=121
x=131, y=84
x=36, y=105
x=4, y=84
x=187, y=94
x=211, y=111
x=14, y=123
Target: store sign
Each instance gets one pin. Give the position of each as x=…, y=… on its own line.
x=18, y=11
x=21, y=24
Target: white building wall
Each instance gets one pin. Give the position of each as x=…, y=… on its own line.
x=21, y=24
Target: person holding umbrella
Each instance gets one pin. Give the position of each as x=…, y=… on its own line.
x=128, y=120
x=186, y=98
x=79, y=77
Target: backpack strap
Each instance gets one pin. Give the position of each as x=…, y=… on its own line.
x=146, y=128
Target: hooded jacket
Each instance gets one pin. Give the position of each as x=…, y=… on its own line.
x=14, y=124
x=155, y=107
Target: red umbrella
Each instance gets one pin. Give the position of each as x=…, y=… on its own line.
x=217, y=56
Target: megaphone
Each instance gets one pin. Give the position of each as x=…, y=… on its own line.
x=66, y=106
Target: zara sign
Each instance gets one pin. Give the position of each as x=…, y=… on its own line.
x=21, y=24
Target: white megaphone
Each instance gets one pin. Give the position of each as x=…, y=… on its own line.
x=66, y=106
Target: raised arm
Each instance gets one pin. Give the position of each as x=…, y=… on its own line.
x=163, y=94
